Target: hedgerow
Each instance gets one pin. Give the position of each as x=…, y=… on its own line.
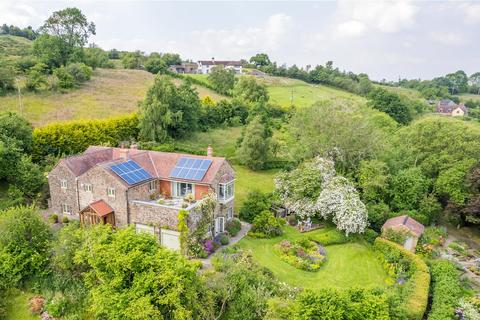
x=72, y=137
x=446, y=290
x=417, y=285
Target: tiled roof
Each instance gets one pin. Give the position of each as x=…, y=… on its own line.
x=413, y=225
x=158, y=164
x=100, y=207
x=447, y=106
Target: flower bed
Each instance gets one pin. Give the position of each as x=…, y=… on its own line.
x=303, y=254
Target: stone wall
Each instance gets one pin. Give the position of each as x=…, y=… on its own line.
x=154, y=214
x=221, y=209
x=61, y=196
x=101, y=180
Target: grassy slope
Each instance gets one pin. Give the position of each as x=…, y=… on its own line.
x=348, y=265
x=14, y=46
x=406, y=92
x=110, y=92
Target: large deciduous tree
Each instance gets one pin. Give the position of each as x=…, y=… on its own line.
x=256, y=147
x=222, y=79
x=247, y=89
x=168, y=110
x=390, y=103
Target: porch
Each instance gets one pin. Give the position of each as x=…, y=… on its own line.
x=96, y=213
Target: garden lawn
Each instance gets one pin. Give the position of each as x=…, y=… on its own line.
x=17, y=306
x=348, y=265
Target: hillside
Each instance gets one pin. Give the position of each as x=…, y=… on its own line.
x=110, y=92
x=282, y=90
x=14, y=46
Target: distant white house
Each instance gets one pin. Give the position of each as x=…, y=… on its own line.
x=205, y=66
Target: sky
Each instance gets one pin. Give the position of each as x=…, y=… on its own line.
x=385, y=39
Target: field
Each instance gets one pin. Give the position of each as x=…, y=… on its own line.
x=468, y=96
x=406, y=92
x=348, y=265
x=109, y=93
x=285, y=92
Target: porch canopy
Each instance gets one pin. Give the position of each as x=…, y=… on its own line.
x=97, y=212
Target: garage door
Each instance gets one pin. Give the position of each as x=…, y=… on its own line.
x=145, y=228
x=170, y=239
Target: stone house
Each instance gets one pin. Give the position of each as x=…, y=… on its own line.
x=450, y=108
x=146, y=189
x=185, y=67
x=412, y=227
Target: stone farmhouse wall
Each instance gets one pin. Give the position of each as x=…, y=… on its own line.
x=59, y=196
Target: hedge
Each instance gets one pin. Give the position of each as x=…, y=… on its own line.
x=66, y=138
x=418, y=284
x=446, y=290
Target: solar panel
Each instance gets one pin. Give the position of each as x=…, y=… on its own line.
x=190, y=168
x=131, y=172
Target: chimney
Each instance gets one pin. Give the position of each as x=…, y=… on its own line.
x=209, y=151
x=213, y=60
x=123, y=154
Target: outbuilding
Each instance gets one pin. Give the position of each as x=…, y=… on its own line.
x=413, y=228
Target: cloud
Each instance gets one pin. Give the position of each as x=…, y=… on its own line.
x=383, y=16
x=18, y=14
x=448, y=38
x=350, y=28
x=471, y=12
x=237, y=41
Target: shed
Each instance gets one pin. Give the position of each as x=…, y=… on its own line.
x=404, y=222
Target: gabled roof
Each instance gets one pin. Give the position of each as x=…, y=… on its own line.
x=100, y=207
x=411, y=224
x=158, y=164
x=447, y=106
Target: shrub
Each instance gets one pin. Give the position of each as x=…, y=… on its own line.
x=446, y=290
x=80, y=72
x=397, y=236
x=53, y=218
x=255, y=203
x=65, y=79
x=233, y=227
x=65, y=220
x=303, y=254
x=416, y=289
x=224, y=239
x=370, y=235
x=75, y=136
x=265, y=225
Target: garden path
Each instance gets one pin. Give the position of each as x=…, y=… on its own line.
x=207, y=263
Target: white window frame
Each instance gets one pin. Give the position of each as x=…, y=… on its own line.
x=87, y=187
x=177, y=186
x=229, y=213
x=222, y=191
x=66, y=208
x=111, y=192
x=219, y=225
x=152, y=186
x=63, y=184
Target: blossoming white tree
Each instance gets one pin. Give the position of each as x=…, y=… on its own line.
x=340, y=201
x=313, y=188
x=300, y=188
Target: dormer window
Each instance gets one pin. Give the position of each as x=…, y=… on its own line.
x=226, y=191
